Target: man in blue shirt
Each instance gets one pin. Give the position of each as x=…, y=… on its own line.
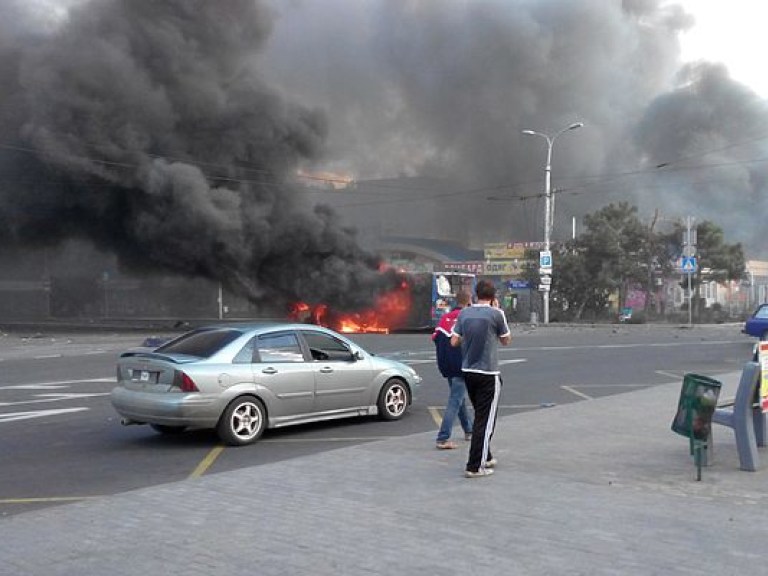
x=478, y=330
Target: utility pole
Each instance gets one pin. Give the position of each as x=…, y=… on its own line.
x=689, y=261
x=545, y=258
x=220, y=301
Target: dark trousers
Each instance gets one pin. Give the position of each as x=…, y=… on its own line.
x=483, y=391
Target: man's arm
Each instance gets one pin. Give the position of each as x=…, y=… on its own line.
x=506, y=339
x=458, y=327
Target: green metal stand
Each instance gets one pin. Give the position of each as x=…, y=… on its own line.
x=698, y=399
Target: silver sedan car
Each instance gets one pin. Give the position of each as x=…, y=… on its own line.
x=242, y=379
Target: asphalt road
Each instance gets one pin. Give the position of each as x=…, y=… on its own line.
x=61, y=441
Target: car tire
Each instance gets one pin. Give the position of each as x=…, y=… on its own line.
x=242, y=422
x=394, y=398
x=167, y=430
x=764, y=336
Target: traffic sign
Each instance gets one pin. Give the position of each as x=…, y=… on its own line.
x=543, y=287
x=688, y=264
x=545, y=259
x=546, y=280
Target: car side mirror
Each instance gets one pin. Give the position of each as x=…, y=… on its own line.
x=357, y=355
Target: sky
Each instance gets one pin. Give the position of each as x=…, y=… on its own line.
x=731, y=32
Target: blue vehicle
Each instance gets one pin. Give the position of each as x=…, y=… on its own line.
x=757, y=324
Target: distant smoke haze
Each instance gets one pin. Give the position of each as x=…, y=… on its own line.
x=444, y=89
x=168, y=132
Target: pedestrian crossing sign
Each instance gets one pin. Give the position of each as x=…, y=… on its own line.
x=688, y=264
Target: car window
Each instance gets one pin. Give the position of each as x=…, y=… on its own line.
x=762, y=312
x=325, y=347
x=283, y=347
x=245, y=356
x=201, y=343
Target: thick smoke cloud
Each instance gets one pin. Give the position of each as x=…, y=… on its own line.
x=709, y=138
x=444, y=88
x=167, y=131
x=146, y=127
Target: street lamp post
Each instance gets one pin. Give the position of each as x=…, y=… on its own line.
x=548, y=208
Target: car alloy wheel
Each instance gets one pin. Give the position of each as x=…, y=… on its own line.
x=243, y=421
x=393, y=400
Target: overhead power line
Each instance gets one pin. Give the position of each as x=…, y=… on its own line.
x=590, y=184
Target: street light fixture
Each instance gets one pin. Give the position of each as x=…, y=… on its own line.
x=548, y=209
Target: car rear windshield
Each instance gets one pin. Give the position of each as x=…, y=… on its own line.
x=762, y=312
x=202, y=343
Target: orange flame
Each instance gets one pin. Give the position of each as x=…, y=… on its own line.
x=390, y=311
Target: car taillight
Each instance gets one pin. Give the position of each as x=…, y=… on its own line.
x=183, y=381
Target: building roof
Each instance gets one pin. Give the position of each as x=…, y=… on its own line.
x=441, y=250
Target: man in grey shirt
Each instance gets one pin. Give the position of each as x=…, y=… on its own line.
x=478, y=330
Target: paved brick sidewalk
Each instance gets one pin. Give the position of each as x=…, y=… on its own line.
x=600, y=487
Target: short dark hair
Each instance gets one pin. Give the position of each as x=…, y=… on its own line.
x=485, y=290
x=463, y=299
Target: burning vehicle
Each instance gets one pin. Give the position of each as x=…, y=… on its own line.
x=417, y=303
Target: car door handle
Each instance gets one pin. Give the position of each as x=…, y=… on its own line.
x=326, y=370
x=269, y=370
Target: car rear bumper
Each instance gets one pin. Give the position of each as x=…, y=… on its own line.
x=168, y=409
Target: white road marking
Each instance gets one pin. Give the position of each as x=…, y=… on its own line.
x=320, y=440
x=518, y=406
x=71, y=395
x=669, y=374
x=46, y=356
x=51, y=499
x=615, y=385
x=504, y=406
x=431, y=360
x=576, y=392
x=54, y=398
x=45, y=385
x=14, y=416
x=612, y=346
x=35, y=387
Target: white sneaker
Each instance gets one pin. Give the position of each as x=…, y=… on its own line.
x=479, y=474
x=491, y=463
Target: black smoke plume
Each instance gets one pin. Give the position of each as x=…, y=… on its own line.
x=147, y=129
x=707, y=139
x=162, y=130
